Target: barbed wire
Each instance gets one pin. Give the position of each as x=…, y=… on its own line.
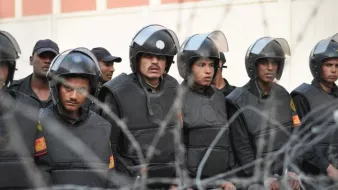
x=300, y=140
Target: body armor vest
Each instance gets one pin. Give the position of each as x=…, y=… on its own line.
x=71, y=164
x=267, y=134
x=322, y=106
x=17, y=125
x=144, y=111
x=203, y=118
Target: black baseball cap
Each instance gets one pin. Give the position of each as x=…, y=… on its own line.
x=103, y=55
x=222, y=58
x=45, y=45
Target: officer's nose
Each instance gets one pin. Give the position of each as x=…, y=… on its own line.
x=111, y=68
x=208, y=69
x=73, y=95
x=269, y=66
x=47, y=59
x=154, y=59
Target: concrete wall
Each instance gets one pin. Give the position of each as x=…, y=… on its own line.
x=113, y=23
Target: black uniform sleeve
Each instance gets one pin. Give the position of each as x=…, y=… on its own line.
x=116, y=134
x=333, y=149
x=311, y=156
x=115, y=130
x=240, y=140
x=41, y=155
x=112, y=181
x=302, y=106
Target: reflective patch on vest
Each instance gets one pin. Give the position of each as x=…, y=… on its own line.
x=40, y=146
x=292, y=105
x=296, y=121
x=39, y=127
x=111, y=162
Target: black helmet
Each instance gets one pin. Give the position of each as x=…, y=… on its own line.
x=198, y=46
x=324, y=49
x=266, y=47
x=153, y=39
x=9, y=53
x=79, y=61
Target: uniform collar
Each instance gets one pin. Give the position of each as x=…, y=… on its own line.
x=257, y=90
x=145, y=85
x=73, y=121
x=29, y=91
x=334, y=89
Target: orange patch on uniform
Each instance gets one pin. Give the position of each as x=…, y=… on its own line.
x=40, y=144
x=295, y=120
x=111, y=162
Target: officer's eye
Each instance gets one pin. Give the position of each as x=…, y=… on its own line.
x=83, y=90
x=161, y=57
x=328, y=65
x=148, y=56
x=275, y=62
x=265, y=63
x=201, y=64
x=68, y=88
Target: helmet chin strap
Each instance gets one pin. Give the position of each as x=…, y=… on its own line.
x=324, y=82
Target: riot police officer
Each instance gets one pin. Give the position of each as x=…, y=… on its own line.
x=35, y=85
x=315, y=105
x=106, y=63
x=203, y=109
x=144, y=99
x=18, y=120
x=254, y=135
x=219, y=82
x=73, y=141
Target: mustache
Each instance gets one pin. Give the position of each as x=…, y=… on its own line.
x=153, y=67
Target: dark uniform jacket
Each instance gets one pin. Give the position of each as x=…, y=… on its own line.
x=24, y=86
x=256, y=136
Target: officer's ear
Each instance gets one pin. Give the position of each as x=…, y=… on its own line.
x=220, y=64
x=31, y=60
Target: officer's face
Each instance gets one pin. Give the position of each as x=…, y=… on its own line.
x=3, y=73
x=203, y=70
x=267, y=70
x=107, y=69
x=330, y=70
x=152, y=66
x=71, y=98
x=41, y=62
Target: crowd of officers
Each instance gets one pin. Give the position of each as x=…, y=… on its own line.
x=54, y=133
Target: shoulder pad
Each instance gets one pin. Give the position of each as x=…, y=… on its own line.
x=236, y=94
x=112, y=85
x=281, y=89
x=170, y=78
x=303, y=88
x=99, y=120
x=117, y=81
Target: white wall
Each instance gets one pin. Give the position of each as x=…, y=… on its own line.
x=242, y=21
